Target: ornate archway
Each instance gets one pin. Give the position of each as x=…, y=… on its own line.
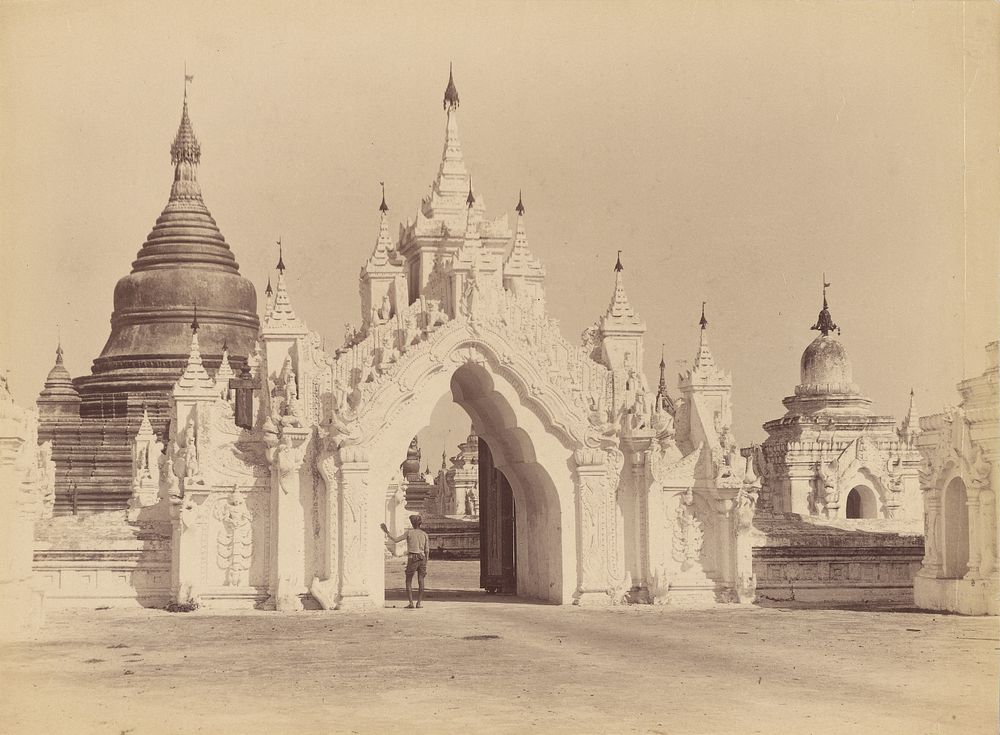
x=621, y=493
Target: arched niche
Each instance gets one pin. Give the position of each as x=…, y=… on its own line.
x=862, y=502
x=955, y=517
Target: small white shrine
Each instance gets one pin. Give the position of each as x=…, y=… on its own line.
x=959, y=477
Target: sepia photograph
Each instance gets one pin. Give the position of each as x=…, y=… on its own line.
x=500, y=366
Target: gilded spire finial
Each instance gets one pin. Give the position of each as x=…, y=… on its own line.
x=188, y=78
x=383, y=207
x=194, y=322
x=703, y=321
x=824, y=323
x=185, y=148
x=450, y=92
x=281, y=260
x=471, y=199
x=618, y=263
x=663, y=359
x=520, y=204
x=269, y=291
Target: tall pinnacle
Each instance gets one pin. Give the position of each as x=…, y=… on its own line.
x=452, y=180
x=382, y=253
x=520, y=262
x=704, y=357
x=185, y=148
x=824, y=323
x=471, y=199
x=450, y=92
x=620, y=310
x=281, y=260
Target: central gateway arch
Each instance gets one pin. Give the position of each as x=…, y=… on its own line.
x=621, y=492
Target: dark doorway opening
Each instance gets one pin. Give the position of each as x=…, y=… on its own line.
x=497, y=550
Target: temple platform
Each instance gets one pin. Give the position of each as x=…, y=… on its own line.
x=452, y=537
x=100, y=559
x=859, y=562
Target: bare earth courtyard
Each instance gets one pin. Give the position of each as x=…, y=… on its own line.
x=472, y=663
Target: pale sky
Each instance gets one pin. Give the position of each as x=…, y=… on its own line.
x=734, y=151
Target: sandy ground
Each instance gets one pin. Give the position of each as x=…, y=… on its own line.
x=471, y=663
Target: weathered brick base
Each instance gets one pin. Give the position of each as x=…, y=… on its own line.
x=100, y=559
x=837, y=562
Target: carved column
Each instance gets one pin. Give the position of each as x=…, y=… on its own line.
x=354, y=529
x=972, y=503
x=597, y=543
x=287, y=584
x=188, y=528
x=324, y=587
x=987, y=534
x=931, y=566
x=725, y=539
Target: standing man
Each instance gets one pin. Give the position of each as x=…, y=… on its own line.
x=418, y=548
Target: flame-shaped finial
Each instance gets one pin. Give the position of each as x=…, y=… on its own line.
x=383, y=207
x=450, y=92
x=281, y=259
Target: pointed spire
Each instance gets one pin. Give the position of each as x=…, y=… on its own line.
x=195, y=376
x=450, y=92
x=620, y=310
x=59, y=352
x=663, y=400
x=145, y=427
x=280, y=317
x=910, y=427
x=224, y=374
x=382, y=256
x=520, y=262
x=704, y=359
x=269, y=292
x=185, y=148
x=471, y=199
x=824, y=323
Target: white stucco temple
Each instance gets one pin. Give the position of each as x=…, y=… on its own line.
x=618, y=493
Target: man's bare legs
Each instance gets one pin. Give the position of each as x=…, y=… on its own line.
x=409, y=589
x=420, y=587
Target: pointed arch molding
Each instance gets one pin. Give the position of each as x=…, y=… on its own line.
x=455, y=345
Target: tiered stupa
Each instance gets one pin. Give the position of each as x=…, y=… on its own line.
x=185, y=265
x=838, y=459
x=840, y=507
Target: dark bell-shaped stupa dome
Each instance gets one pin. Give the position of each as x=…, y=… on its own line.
x=184, y=264
x=411, y=465
x=59, y=396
